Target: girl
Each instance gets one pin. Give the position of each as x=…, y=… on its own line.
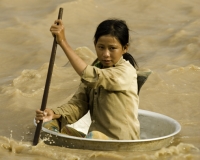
x=108, y=88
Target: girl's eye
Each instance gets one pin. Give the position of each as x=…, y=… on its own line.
x=112, y=48
x=100, y=47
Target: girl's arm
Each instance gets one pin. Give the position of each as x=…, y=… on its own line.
x=58, y=30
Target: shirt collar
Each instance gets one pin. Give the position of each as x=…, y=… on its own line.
x=119, y=62
x=97, y=64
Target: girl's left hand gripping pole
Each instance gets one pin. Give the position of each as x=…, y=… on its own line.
x=48, y=81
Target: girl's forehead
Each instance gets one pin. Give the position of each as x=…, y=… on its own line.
x=108, y=39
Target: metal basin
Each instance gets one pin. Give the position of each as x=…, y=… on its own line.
x=157, y=131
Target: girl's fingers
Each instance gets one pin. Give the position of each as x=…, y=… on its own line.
x=39, y=117
x=42, y=115
x=39, y=111
x=45, y=113
x=37, y=121
x=58, y=22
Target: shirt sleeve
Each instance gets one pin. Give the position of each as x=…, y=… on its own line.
x=116, y=78
x=75, y=108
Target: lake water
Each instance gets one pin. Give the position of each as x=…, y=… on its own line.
x=165, y=37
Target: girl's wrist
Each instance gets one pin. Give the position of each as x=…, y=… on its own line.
x=55, y=116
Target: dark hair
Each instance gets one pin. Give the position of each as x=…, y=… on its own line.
x=114, y=27
x=118, y=29
x=129, y=57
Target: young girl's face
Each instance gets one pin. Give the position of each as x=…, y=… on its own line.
x=109, y=50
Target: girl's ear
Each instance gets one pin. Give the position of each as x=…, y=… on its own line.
x=126, y=48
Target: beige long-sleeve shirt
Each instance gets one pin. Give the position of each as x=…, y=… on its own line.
x=110, y=95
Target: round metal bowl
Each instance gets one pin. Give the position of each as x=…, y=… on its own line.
x=156, y=131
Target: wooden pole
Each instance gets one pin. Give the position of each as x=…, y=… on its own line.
x=48, y=81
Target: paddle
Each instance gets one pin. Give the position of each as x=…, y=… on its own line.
x=48, y=81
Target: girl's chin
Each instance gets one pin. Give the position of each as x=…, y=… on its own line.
x=107, y=66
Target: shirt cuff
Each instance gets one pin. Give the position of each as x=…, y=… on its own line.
x=63, y=121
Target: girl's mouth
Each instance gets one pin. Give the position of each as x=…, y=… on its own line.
x=106, y=61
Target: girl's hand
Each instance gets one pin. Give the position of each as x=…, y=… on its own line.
x=45, y=115
x=58, y=30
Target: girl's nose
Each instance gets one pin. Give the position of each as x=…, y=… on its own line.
x=106, y=53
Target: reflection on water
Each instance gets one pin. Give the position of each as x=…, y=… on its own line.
x=164, y=38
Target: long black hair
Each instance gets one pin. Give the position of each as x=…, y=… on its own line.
x=129, y=57
x=118, y=29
